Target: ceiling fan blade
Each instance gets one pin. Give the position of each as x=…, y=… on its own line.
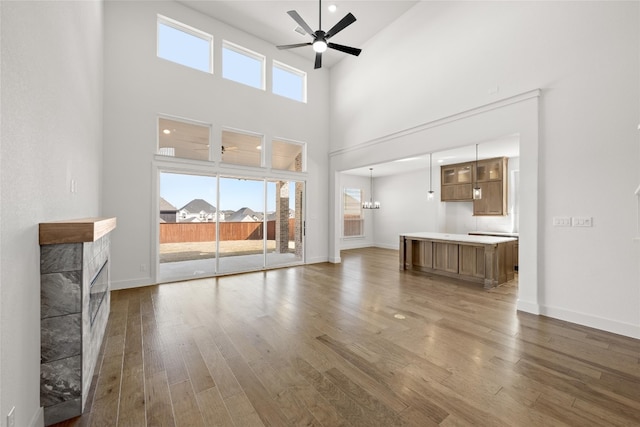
x=300, y=21
x=318, y=63
x=346, y=49
x=344, y=23
x=291, y=46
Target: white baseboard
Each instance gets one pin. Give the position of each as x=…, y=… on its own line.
x=317, y=260
x=335, y=260
x=527, y=307
x=591, y=321
x=38, y=418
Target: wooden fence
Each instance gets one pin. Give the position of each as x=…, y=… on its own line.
x=180, y=232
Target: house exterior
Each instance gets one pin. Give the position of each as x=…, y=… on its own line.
x=82, y=88
x=168, y=212
x=199, y=210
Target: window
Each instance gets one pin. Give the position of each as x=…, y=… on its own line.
x=241, y=148
x=352, y=213
x=287, y=156
x=289, y=82
x=184, y=45
x=242, y=65
x=182, y=139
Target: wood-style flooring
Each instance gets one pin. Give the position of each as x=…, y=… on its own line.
x=355, y=344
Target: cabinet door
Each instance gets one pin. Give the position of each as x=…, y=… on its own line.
x=457, y=192
x=448, y=175
x=422, y=256
x=445, y=257
x=472, y=261
x=489, y=170
x=493, y=200
x=463, y=174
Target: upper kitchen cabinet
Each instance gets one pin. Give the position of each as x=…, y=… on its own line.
x=456, y=182
x=491, y=177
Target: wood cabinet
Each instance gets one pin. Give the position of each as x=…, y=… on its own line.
x=482, y=259
x=445, y=257
x=471, y=261
x=491, y=177
x=458, y=180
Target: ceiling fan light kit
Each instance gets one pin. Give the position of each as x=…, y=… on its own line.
x=320, y=41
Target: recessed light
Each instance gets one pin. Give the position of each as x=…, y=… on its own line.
x=166, y=131
x=259, y=147
x=332, y=8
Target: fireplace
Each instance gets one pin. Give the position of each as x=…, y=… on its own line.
x=74, y=309
x=97, y=290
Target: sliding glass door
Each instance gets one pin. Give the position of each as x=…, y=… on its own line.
x=241, y=241
x=187, y=226
x=212, y=225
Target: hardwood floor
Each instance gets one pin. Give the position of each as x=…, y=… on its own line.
x=360, y=343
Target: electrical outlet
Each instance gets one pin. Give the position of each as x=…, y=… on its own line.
x=561, y=221
x=143, y=267
x=581, y=221
x=11, y=417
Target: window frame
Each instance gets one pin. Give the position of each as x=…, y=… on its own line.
x=241, y=50
x=362, y=216
x=187, y=29
x=303, y=152
x=289, y=69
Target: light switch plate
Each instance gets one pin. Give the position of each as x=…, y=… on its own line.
x=581, y=221
x=562, y=221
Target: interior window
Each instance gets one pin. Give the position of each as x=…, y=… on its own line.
x=183, y=139
x=287, y=156
x=241, y=148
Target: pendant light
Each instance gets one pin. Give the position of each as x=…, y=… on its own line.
x=431, y=193
x=477, y=191
x=371, y=204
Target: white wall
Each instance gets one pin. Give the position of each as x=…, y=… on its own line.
x=442, y=58
x=51, y=112
x=139, y=86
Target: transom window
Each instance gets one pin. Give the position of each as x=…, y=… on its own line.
x=241, y=148
x=289, y=82
x=183, y=139
x=286, y=155
x=184, y=45
x=242, y=65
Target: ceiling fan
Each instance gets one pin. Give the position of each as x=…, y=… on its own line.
x=320, y=41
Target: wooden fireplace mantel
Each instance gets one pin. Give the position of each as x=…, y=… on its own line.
x=75, y=230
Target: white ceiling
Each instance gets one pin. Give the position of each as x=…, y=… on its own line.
x=508, y=146
x=269, y=21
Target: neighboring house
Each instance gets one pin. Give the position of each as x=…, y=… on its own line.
x=198, y=210
x=168, y=212
x=245, y=215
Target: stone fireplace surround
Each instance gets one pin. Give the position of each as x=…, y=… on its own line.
x=73, y=256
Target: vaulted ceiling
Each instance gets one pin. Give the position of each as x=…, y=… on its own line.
x=269, y=21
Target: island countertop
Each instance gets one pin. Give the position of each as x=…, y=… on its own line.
x=460, y=238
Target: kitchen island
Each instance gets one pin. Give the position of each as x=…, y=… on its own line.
x=482, y=259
